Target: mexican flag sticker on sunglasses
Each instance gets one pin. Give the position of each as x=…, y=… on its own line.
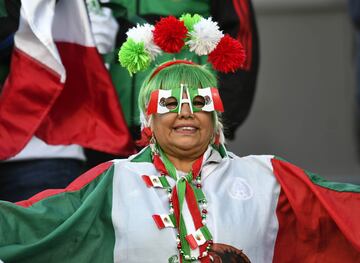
x=164, y=101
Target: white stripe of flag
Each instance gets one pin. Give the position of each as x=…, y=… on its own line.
x=163, y=94
x=207, y=92
x=35, y=36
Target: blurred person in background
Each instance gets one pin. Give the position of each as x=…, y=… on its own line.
x=38, y=166
x=105, y=29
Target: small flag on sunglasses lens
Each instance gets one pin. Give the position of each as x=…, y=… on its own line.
x=212, y=99
x=155, y=181
x=157, y=100
x=164, y=220
x=199, y=237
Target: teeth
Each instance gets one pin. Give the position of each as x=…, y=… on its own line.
x=186, y=128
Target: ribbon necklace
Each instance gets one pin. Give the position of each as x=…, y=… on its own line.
x=187, y=188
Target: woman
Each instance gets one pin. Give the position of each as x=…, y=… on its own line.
x=184, y=198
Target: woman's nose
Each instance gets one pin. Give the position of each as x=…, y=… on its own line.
x=185, y=110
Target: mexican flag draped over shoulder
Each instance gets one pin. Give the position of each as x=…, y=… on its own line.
x=58, y=87
x=319, y=221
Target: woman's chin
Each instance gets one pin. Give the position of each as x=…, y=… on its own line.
x=186, y=142
x=189, y=146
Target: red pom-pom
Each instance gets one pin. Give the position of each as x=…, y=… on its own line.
x=228, y=56
x=169, y=34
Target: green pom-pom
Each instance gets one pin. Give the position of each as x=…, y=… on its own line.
x=190, y=20
x=133, y=56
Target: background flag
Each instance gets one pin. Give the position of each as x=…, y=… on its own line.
x=58, y=87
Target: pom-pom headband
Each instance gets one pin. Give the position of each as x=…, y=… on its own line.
x=200, y=35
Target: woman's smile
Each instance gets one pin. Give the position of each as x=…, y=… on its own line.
x=185, y=134
x=185, y=129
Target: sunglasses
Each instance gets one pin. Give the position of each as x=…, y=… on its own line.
x=164, y=101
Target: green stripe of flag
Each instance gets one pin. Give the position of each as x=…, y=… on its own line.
x=205, y=231
x=172, y=218
x=199, y=194
x=67, y=227
x=340, y=187
x=164, y=182
x=144, y=156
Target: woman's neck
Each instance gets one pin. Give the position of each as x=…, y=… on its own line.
x=183, y=159
x=184, y=165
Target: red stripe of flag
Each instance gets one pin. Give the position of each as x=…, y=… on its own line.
x=218, y=105
x=85, y=111
x=192, y=242
x=159, y=165
x=247, y=33
x=194, y=211
x=147, y=180
x=242, y=9
x=152, y=107
x=24, y=103
x=159, y=222
x=76, y=185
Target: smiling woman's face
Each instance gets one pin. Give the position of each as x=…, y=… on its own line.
x=185, y=135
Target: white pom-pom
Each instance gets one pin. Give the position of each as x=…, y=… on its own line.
x=205, y=36
x=144, y=33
